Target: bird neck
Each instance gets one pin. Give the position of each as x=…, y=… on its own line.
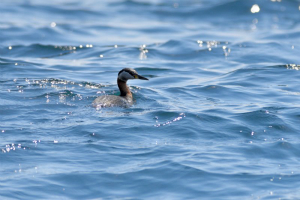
x=124, y=89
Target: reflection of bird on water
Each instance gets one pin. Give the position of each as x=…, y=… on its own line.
x=125, y=98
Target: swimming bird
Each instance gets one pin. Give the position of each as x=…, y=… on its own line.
x=125, y=99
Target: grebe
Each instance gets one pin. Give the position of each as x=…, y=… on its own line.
x=125, y=98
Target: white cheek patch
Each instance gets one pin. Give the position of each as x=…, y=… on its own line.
x=124, y=76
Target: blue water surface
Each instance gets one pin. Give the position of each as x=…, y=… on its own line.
x=218, y=118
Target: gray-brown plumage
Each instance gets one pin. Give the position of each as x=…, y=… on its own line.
x=125, y=98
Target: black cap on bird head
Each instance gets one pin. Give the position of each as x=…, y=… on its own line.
x=128, y=73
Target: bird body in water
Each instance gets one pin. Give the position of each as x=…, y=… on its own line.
x=125, y=99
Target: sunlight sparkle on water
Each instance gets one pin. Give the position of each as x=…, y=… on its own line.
x=180, y=117
x=143, y=52
x=293, y=66
x=255, y=8
x=53, y=24
x=200, y=43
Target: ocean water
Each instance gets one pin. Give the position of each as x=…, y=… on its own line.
x=218, y=118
